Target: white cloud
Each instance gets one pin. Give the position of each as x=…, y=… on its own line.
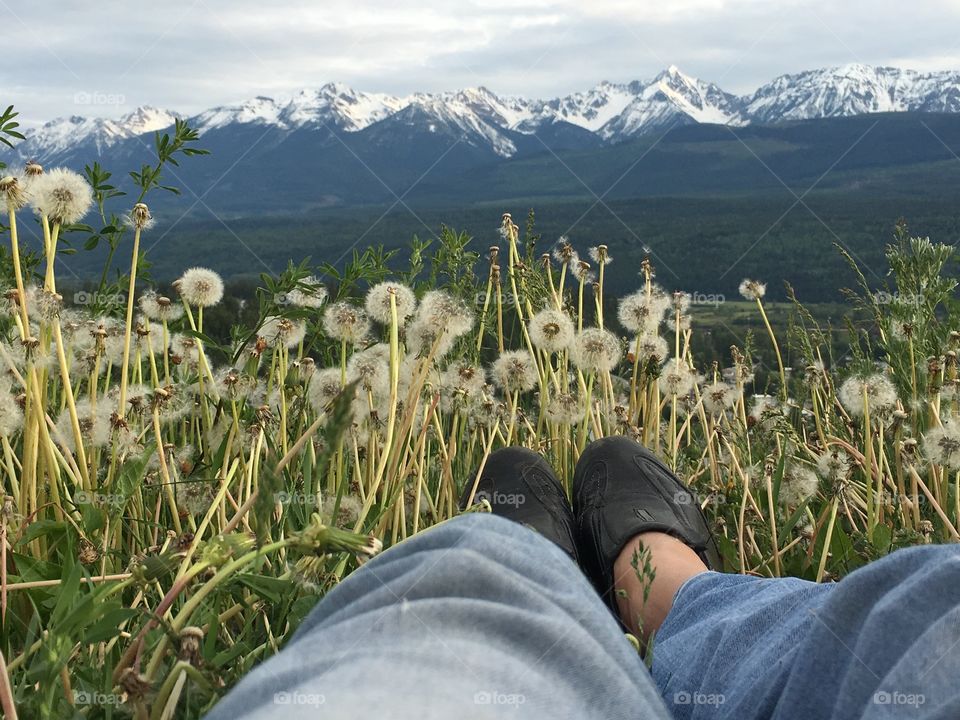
x=192, y=54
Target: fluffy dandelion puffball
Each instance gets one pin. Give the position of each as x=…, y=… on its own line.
x=650, y=345
x=325, y=386
x=643, y=311
x=565, y=409
x=720, y=396
x=62, y=195
x=799, y=483
x=283, y=331
x=309, y=293
x=442, y=311
x=596, y=350
x=881, y=394
x=343, y=321
x=676, y=378
x=515, y=371
x=200, y=287
x=378, y=302
x=941, y=445
x=159, y=308
x=11, y=416
x=13, y=193
x=752, y=289
x=551, y=330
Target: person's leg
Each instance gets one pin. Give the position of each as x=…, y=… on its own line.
x=883, y=642
x=478, y=618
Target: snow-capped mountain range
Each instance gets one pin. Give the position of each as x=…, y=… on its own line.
x=611, y=112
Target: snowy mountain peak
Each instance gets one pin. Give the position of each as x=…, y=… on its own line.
x=613, y=111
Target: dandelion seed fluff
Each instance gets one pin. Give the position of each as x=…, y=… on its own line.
x=642, y=313
x=11, y=416
x=440, y=309
x=676, y=378
x=325, y=386
x=834, y=466
x=752, y=289
x=343, y=321
x=64, y=196
x=880, y=392
x=551, y=330
x=565, y=409
x=515, y=371
x=596, y=350
x=799, y=483
x=719, y=397
x=941, y=445
x=13, y=193
x=650, y=345
x=378, y=303
x=279, y=331
x=371, y=368
x=309, y=293
x=200, y=287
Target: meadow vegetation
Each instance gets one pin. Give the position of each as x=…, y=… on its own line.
x=174, y=503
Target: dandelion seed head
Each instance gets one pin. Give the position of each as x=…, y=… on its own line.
x=515, y=371
x=440, y=309
x=139, y=217
x=424, y=338
x=642, y=312
x=563, y=251
x=200, y=287
x=676, y=378
x=309, y=293
x=752, y=289
x=764, y=409
x=280, y=331
x=235, y=384
x=834, y=466
x=343, y=321
x=378, y=303
x=371, y=369
x=719, y=397
x=565, y=408
x=464, y=378
x=13, y=193
x=599, y=255
x=551, y=330
x=64, y=196
x=596, y=350
x=799, y=483
x=325, y=386
x=941, y=445
x=11, y=414
x=881, y=394
x=650, y=345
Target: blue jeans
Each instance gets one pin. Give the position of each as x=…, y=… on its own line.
x=481, y=618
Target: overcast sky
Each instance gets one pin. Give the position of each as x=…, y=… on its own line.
x=64, y=57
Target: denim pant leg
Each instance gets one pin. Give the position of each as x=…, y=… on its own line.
x=884, y=642
x=478, y=617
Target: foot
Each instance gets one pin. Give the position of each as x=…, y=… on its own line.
x=521, y=486
x=642, y=602
x=621, y=490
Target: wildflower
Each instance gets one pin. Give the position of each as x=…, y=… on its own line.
x=94, y=425
x=309, y=293
x=881, y=395
x=799, y=482
x=581, y=271
x=515, y=371
x=834, y=466
x=200, y=287
x=942, y=444
x=643, y=311
x=596, y=350
x=279, y=331
x=650, y=345
x=11, y=415
x=140, y=217
x=719, y=397
x=676, y=378
x=752, y=289
x=43, y=303
x=763, y=409
x=62, y=195
x=325, y=386
x=159, y=308
x=565, y=409
x=563, y=251
x=441, y=309
x=185, y=351
x=379, y=306
x=234, y=384
x=424, y=338
x=12, y=193
x=371, y=367
x=464, y=377
x=342, y=321
x=599, y=255
x=551, y=330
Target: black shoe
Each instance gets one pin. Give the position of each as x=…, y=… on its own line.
x=521, y=486
x=621, y=489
